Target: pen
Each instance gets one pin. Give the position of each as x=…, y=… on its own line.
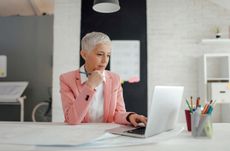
x=87, y=74
x=205, y=109
x=191, y=102
x=210, y=109
x=214, y=103
x=189, y=106
x=210, y=102
x=197, y=102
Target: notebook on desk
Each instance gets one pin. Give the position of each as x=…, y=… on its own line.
x=162, y=116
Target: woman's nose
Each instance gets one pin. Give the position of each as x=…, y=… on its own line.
x=104, y=59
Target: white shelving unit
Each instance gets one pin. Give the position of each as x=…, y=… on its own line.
x=215, y=68
x=214, y=83
x=214, y=80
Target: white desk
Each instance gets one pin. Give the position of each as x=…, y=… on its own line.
x=10, y=94
x=184, y=141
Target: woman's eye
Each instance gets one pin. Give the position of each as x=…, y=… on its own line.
x=99, y=54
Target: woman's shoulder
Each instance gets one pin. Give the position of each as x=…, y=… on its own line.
x=69, y=74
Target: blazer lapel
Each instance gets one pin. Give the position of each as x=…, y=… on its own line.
x=78, y=81
x=79, y=88
x=107, y=95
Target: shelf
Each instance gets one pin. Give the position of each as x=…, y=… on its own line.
x=216, y=55
x=217, y=80
x=217, y=40
x=224, y=79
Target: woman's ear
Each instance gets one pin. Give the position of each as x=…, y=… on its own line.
x=83, y=54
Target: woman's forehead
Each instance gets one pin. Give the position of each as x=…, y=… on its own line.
x=103, y=47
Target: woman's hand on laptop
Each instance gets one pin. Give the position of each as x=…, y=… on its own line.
x=134, y=119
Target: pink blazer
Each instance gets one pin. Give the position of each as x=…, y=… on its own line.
x=76, y=98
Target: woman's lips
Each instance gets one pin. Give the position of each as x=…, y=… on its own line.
x=101, y=67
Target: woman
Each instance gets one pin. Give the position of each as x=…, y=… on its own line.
x=91, y=93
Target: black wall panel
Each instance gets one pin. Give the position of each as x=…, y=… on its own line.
x=129, y=23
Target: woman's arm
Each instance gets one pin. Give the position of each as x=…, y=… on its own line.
x=75, y=109
x=120, y=111
x=123, y=117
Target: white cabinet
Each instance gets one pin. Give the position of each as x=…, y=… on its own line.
x=214, y=83
x=214, y=68
x=219, y=92
x=214, y=77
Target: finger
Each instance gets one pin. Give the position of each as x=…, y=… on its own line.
x=98, y=72
x=143, y=119
x=133, y=122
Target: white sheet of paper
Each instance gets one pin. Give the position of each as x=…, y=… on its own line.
x=47, y=134
x=111, y=140
x=125, y=59
x=90, y=135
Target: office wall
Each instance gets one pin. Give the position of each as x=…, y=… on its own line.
x=174, y=31
x=28, y=44
x=66, y=46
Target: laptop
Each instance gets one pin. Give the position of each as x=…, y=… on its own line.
x=162, y=116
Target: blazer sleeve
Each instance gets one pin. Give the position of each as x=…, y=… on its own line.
x=120, y=111
x=76, y=107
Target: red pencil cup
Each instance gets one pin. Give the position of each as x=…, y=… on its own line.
x=188, y=119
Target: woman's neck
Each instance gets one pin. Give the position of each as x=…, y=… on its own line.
x=87, y=69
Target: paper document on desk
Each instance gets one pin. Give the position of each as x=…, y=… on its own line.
x=111, y=140
x=77, y=136
x=45, y=134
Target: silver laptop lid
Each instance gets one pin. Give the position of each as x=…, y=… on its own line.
x=165, y=107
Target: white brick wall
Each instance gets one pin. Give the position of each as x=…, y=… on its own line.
x=175, y=28
x=66, y=46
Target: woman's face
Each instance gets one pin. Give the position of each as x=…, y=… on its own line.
x=98, y=58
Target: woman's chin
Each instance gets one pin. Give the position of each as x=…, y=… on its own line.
x=101, y=69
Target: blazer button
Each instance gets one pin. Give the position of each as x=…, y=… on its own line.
x=87, y=97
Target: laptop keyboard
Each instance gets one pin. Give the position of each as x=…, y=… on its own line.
x=139, y=130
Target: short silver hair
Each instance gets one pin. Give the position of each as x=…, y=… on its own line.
x=90, y=40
